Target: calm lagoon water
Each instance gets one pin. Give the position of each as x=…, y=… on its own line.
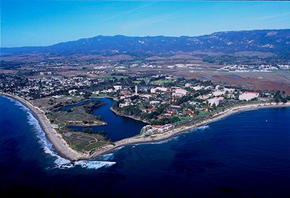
x=244, y=155
x=117, y=127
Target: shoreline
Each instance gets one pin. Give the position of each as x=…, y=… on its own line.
x=59, y=144
x=176, y=131
x=64, y=149
x=121, y=114
x=132, y=117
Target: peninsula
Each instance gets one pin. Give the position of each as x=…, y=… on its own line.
x=166, y=104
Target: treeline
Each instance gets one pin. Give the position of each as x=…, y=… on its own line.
x=90, y=107
x=281, y=97
x=165, y=120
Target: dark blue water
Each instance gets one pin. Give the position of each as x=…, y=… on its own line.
x=244, y=155
x=118, y=127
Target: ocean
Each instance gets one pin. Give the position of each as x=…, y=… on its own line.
x=244, y=155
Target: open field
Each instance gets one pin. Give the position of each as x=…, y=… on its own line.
x=251, y=80
x=84, y=142
x=77, y=116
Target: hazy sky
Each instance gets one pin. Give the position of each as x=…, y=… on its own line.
x=45, y=22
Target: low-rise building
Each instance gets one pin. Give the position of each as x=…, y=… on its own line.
x=248, y=95
x=161, y=89
x=179, y=92
x=215, y=101
x=117, y=87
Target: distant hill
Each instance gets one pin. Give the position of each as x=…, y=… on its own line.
x=274, y=41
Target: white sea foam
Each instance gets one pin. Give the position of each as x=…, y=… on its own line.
x=94, y=164
x=59, y=162
x=109, y=156
x=43, y=141
x=119, y=148
x=203, y=127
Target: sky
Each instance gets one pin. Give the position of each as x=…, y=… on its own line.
x=46, y=22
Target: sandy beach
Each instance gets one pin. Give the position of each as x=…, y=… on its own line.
x=67, y=152
x=53, y=136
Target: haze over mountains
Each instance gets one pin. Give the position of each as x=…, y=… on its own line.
x=273, y=41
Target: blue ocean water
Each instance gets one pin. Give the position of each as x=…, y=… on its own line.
x=243, y=155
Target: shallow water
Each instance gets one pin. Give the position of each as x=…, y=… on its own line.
x=244, y=155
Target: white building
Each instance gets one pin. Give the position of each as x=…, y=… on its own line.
x=136, y=90
x=218, y=92
x=162, y=89
x=154, y=102
x=72, y=91
x=117, y=87
x=125, y=104
x=248, y=95
x=215, y=101
x=179, y=92
x=197, y=87
x=162, y=128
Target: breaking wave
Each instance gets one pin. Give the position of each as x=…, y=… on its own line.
x=203, y=127
x=109, y=156
x=60, y=162
x=93, y=164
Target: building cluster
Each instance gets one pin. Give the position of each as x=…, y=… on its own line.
x=42, y=87
x=165, y=103
x=253, y=68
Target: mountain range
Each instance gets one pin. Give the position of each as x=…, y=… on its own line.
x=273, y=41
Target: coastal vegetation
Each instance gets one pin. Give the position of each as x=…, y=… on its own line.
x=80, y=112
x=166, y=103
x=84, y=142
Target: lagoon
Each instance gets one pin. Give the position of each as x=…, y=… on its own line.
x=243, y=155
x=118, y=127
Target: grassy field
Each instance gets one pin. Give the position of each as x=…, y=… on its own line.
x=84, y=142
x=162, y=82
x=78, y=115
x=49, y=103
x=101, y=95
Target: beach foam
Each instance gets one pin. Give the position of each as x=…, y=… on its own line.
x=59, y=162
x=203, y=127
x=109, y=156
x=94, y=164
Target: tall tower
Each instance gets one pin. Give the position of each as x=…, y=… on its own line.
x=136, y=90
